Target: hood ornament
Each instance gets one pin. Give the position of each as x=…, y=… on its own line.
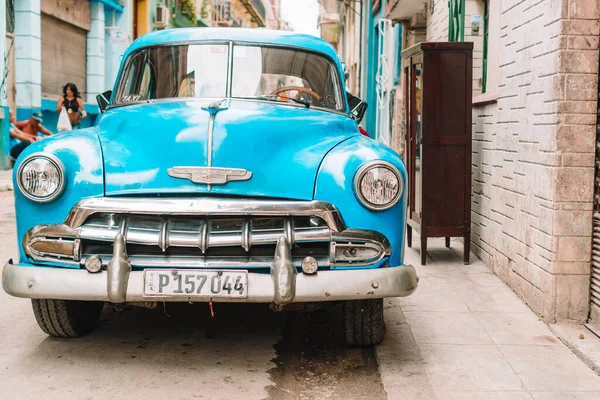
x=210, y=175
x=216, y=106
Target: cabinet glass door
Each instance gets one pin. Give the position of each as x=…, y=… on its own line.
x=409, y=154
x=417, y=109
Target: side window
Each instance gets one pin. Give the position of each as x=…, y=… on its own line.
x=331, y=96
x=145, y=90
x=129, y=89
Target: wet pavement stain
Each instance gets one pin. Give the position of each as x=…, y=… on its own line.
x=313, y=361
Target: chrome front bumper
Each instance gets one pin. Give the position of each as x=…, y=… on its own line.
x=119, y=284
x=69, y=284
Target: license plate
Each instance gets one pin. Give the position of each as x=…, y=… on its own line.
x=195, y=283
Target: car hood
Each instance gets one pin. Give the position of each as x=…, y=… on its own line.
x=281, y=145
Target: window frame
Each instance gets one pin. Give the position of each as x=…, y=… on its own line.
x=456, y=20
x=484, y=67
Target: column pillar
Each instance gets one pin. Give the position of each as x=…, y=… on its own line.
x=117, y=38
x=4, y=135
x=95, y=52
x=28, y=56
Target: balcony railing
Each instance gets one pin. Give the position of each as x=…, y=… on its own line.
x=221, y=13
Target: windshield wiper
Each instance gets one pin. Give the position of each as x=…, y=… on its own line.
x=274, y=97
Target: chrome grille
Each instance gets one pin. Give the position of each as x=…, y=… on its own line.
x=204, y=233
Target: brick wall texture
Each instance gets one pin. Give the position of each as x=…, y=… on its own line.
x=437, y=31
x=533, y=153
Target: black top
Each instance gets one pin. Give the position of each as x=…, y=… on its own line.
x=72, y=105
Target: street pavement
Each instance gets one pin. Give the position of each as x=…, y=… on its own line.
x=6, y=180
x=462, y=335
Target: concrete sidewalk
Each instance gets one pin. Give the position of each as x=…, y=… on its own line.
x=6, y=180
x=465, y=335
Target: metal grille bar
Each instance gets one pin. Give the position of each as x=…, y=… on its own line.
x=203, y=233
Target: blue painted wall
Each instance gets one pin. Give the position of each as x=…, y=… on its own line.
x=29, y=52
x=372, y=37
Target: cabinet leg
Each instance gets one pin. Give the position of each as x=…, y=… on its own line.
x=423, y=249
x=467, y=240
x=447, y=242
x=408, y=235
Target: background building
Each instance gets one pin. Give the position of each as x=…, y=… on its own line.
x=535, y=102
x=370, y=45
x=535, y=105
x=48, y=43
x=150, y=15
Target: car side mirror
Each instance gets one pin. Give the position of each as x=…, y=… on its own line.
x=358, y=108
x=103, y=100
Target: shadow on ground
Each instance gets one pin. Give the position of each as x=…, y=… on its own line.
x=304, y=353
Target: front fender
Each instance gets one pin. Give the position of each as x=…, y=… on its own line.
x=335, y=185
x=81, y=155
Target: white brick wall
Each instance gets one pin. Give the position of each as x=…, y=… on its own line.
x=437, y=31
x=533, y=152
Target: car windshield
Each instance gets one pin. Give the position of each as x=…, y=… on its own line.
x=257, y=72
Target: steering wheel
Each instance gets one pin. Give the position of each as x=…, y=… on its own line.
x=299, y=89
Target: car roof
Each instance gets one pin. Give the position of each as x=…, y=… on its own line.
x=256, y=35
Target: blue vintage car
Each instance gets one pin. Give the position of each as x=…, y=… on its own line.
x=227, y=166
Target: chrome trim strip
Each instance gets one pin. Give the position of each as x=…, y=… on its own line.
x=204, y=236
x=246, y=235
x=229, y=84
x=123, y=228
x=150, y=261
x=163, y=242
x=211, y=124
x=204, y=206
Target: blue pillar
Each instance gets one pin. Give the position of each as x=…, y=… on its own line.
x=118, y=37
x=28, y=60
x=95, y=52
x=4, y=126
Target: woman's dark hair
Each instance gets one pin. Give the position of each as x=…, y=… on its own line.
x=73, y=88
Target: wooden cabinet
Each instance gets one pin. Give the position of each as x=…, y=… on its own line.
x=438, y=90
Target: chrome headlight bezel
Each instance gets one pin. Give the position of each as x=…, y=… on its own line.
x=61, y=173
x=363, y=170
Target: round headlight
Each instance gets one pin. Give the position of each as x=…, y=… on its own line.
x=41, y=177
x=378, y=185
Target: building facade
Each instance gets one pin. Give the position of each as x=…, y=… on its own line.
x=48, y=43
x=535, y=102
x=151, y=15
x=370, y=46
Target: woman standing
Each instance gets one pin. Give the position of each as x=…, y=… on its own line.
x=71, y=101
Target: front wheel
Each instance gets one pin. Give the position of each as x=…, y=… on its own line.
x=363, y=322
x=66, y=318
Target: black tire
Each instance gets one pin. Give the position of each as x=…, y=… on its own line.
x=66, y=318
x=363, y=322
